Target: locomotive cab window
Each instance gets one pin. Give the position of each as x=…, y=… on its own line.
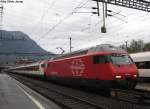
x=121, y=59
x=99, y=59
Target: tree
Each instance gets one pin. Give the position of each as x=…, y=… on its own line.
x=136, y=46
x=147, y=47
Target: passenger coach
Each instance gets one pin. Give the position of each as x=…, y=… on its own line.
x=142, y=60
x=36, y=69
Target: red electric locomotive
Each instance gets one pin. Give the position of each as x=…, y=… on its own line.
x=103, y=66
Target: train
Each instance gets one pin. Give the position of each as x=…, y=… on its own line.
x=103, y=66
x=142, y=60
x=35, y=69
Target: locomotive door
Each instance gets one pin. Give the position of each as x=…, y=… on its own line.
x=96, y=66
x=100, y=68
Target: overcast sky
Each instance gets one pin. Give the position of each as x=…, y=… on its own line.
x=51, y=22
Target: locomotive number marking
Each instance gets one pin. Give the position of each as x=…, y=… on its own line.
x=77, y=67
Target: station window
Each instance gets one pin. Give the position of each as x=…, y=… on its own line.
x=99, y=59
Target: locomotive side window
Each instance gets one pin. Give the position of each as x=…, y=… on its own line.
x=99, y=59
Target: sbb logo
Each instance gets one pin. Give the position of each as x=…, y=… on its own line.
x=77, y=67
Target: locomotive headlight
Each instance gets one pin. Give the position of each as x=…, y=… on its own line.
x=118, y=77
x=135, y=76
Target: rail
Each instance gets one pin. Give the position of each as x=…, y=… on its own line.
x=63, y=99
x=141, y=97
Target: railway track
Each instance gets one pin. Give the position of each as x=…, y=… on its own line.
x=74, y=99
x=134, y=96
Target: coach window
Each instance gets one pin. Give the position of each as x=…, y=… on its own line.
x=148, y=65
x=143, y=65
x=140, y=65
x=99, y=59
x=42, y=65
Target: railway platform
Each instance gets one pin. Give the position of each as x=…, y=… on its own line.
x=14, y=95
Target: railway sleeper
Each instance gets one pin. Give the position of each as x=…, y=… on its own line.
x=131, y=96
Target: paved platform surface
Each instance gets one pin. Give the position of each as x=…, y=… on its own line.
x=12, y=97
x=15, y=96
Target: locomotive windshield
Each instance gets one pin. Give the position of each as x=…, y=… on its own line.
x=121, y=59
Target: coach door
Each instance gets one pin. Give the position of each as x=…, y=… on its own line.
x=42, y=67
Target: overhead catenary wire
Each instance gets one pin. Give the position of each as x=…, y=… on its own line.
x=45, y=13
x=62, y=20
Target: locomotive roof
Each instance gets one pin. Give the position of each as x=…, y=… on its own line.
x=98, y=48
x=142, y=56
x=106, y=48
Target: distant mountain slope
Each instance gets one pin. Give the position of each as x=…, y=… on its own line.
x=17, y=44
x=16, y=41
